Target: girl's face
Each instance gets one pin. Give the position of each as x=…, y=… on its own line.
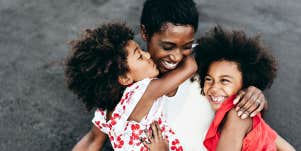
x=140, y=64
x=223, y=80
x=168, y=47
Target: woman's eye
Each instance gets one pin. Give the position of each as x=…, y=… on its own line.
x=167, y=48
x=188, y=47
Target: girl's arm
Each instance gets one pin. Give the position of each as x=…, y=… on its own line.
x=92, y=141
x=162, y=86
x=233, y=132
x=283, y=145
x=171, y=80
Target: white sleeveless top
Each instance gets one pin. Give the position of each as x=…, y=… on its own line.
x=189, y=114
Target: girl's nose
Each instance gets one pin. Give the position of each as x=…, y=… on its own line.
x=146, y=54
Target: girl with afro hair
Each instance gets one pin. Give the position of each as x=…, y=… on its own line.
x=107, y=70
x=229, y=62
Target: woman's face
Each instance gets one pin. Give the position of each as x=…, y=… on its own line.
x=168, y=47
x=223, y=80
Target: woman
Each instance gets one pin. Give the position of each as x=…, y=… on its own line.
x=168, y=27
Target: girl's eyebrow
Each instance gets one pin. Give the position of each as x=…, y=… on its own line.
x=227, y=76
x=207, y=75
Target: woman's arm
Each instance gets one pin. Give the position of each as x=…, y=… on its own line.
x=171, y=80
x=233, y=132
x=283, y=145
x=92, y=141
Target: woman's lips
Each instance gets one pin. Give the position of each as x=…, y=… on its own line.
x=168, y=65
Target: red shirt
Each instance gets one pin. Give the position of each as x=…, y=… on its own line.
x=261, y=138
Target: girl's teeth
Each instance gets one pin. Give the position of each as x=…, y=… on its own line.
x=218, y=99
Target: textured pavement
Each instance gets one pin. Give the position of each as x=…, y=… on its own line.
x=38, y=113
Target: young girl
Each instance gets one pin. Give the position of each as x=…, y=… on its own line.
x=229, y=62
x=108, y=70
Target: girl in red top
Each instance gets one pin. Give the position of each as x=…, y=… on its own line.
x=229, y=62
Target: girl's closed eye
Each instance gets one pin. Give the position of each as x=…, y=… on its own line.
x=225, y=81
x=140, y=57
x=208, y=79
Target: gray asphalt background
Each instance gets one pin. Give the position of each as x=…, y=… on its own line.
x=38, y=113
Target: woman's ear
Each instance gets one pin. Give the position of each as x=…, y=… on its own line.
x=143, y=32
x=125, y=80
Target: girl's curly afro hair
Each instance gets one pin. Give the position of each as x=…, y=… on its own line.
x=257, y=65
x=96, y=61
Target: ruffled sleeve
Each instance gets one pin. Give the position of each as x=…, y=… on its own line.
x=123, y=109
x=99, y=121
x=128, y=102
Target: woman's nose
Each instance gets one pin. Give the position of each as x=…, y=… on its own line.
x=176, y=56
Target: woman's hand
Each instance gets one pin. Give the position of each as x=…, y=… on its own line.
x=249, y=102
x=156, y=141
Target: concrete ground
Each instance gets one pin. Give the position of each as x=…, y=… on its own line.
x=37, y=112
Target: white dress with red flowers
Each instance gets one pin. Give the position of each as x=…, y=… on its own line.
x=125, y=135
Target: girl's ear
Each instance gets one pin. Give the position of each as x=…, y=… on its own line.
x=143, y=32
x=125, y=80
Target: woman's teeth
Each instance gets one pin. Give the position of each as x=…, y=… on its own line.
x=169, y=65
x=217, y=99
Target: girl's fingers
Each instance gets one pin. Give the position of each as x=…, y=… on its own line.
x=155, y=132
x=159, y=131
x=146, y=144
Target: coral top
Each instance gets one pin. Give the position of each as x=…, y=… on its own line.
x=125, y=135
x=261, y=138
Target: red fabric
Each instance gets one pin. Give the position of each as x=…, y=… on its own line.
x=261, y=138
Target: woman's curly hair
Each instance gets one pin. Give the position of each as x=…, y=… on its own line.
x=96, y=61
x=255, y=62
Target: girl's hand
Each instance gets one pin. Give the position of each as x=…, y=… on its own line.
x=249, y=102
x=157, y=143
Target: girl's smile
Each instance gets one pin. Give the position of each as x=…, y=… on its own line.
x=223, y=79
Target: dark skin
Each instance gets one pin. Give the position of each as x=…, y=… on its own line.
x=174, y=42
x=156, y=141
x=247, y=104
x=158, y=87
x=179, y=39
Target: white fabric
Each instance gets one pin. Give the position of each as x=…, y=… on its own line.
x=189, y=114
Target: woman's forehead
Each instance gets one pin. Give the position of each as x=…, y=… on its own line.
x=175, y=34
x=175, y=29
